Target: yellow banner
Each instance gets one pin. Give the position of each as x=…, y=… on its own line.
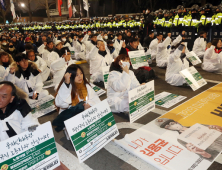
x=205, y=108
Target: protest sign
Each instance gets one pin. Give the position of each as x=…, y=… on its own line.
x=193, y=78
x=187, y=137
x=72, y=52
x=30, y=150
x=42, y=106
x=193, y=58
x=167, y=100
x=138, y=58
x=141, y=101
x=105, y=75
x=91, y=130
x=98, y=90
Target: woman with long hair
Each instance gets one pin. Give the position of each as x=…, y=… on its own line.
x=120, y=81
x=212, y=61
x=74, y=95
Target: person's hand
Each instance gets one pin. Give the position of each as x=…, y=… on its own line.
x=34, y=96
x=124, y=44
x=39, y=70
x=67, y=77
x=142, y=84
x=169, y=34
x=215, y=127
x=86, y=106
x=12, y=69
x=126, y=69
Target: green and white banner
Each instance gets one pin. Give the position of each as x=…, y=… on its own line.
x=193, y=58
x=168, y=100
x=105, y=75
x=42, y=106
x=91, y=130
x=30, y=150
x=138, y=58
x=141, y=101
x=72, y=52
x=193, y=78
x=98, y=90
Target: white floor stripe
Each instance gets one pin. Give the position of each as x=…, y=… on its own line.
x=69, y=160
x=212, y=81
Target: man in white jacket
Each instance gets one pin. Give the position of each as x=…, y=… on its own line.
x=79, y=47
x=162, y=52
x=15, y=116
x=5, y=61
x=118, y=43
x=200, y=44
x=99, y=57
x=153, y=45
x=89, y=44
x=60, y=65
x=26, y=76
x=41, y=64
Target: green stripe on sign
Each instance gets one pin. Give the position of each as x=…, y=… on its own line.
x=43, y=106
x=106, y=77
x=142, y=101
x=166, y=99
x=32, y=156
x=197, y=76
x=86, y=135
x=96, y=88
x=188, y=81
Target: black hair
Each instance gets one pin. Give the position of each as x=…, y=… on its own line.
x=202, y=32
x=133, y=39
x=3, y=53
x=20, y=56
x=109, y=42
x=159, y=33
x=151, y=32
x=29, y=46
x=29, y=51
x=8, y=83
x=64, y=49
x=118, y=34
x=80, y=36
x=215, y=41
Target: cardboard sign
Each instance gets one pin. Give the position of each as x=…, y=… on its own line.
x=141, y=101
x=193, y=78
x=91, y=130
x=105, y=75
x=193, y=58
x=138, y=58
x=98, y=90
x=42, y=106
x=200, y=136
x=167, y=100
x=30, y=150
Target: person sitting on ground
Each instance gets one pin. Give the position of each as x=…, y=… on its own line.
x=5, y=61
x=73, y=95
x=176, y=62
x=153, y=45
x=27, y=48
x=212, y=61
x=99, y=57
x=41, y=64
x=200, y=43
x=60, y=65
x=112, y=49
x=120, y=81
x=15, y=116
x=147, y=40
x=11, y=49
x=118, y=43
x=89, y=44
x=26, y=76
x=58, y=47
x=79, y=48
x=162, y=52
x=49, y=55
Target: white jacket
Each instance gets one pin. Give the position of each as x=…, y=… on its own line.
x=212, y=61
x=80, y=50
x=118, y=45
x=162, y=53
x=34, y=82
x=97, y=61
x=45, y=71
x=59, y=67
x=3, y=72
x=89, y=45
x=18, y=123
x=199, y=47
x=119, y=84
x=64, y=100
x=153, y=48
x=175, y=65
x=49, y=57
x=41, y=49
